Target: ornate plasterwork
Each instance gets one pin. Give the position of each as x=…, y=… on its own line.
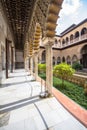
x=18, y=13
x=39, y=16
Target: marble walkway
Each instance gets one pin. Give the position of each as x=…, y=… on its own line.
x=19, y=95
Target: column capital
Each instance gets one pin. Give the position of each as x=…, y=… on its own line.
x=36, y=51
x=30, y=56
x=47, y=41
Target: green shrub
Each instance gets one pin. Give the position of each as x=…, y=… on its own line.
x=77, y=66
x=63, y=71
x=41, y=68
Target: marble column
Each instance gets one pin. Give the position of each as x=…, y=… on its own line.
x=0, y=60
x=49, y=67
x=7, y=57
x=36, y=64
x=26, y=63
x=12, y=59
x=31, y=65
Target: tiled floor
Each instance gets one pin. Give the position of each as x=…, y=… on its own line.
x=43, y=114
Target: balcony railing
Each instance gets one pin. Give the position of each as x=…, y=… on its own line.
x=78, y=39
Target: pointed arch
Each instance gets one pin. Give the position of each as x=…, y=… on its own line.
x=74, y=58
x=58, y=60
x=67, y=40
x=77, y=34
x=63, y=59
x=84, y=31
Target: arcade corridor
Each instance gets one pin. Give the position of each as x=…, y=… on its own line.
x=24, y=25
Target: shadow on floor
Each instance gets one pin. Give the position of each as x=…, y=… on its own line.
x=18, y=104
x=12, y=83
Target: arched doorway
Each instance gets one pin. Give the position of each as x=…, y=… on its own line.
x=58, y=60
x=77, y=34
x=84, y=56
x=63, y=42
x=68, y=60
x=74, y=59
x=63, y=59
x=83, y=31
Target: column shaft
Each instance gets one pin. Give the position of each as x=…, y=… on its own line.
x=49, y=67
x=36, y=65
x=12, y=58
x=31, y=65
x=26, y=64
x=7, y=57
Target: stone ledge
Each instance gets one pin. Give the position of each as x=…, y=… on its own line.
x=76, y=110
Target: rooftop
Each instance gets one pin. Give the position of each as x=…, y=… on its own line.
x=73, y=26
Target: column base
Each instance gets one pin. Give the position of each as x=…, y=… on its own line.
x=44, y=94
x=4, y=119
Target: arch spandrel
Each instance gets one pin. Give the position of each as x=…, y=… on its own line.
x=39, y=15
x=42, y=15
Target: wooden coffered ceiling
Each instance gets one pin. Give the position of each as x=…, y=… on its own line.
x=18, y=13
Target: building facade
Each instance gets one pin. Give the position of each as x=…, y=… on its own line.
x=70, y=46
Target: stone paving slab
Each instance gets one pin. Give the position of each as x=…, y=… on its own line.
x=22, y=89
x=29, y=118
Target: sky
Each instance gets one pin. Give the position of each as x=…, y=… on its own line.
x=72, y=12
